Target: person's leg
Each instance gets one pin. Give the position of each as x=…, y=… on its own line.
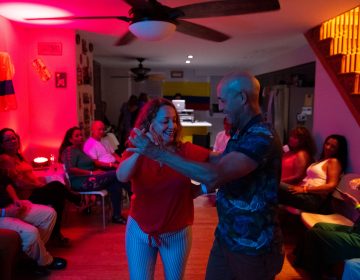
x=174, y=251
x=336, y=242
x=9, y=248
x=225, y=264
x=43, y=218
x=140, y=255
x=217, y=266
x=32, y=245
x=51, y=194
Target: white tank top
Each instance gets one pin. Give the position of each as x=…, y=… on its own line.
x=315, y=175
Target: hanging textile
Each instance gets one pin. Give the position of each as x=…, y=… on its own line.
x=7, y=92
x=277, y=109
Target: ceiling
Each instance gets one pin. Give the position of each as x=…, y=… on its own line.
x=255, y=38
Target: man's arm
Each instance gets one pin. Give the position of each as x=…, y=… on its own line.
x=213, y=173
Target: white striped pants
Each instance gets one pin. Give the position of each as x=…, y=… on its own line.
x=174, y=251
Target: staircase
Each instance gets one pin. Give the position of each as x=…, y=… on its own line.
x=336, y=43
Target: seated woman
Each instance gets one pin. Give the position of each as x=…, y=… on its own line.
x=326, y=244
x=34, y=223
x=29, y=186
x=321, y=179
x=301, y=154
x=83, y=174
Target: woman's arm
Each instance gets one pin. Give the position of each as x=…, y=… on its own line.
x=127, y=168
x=333, y=173
x=12, y=193
x=302, y=162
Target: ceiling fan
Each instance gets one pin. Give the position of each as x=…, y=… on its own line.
x=150, y=15
x=141, y=73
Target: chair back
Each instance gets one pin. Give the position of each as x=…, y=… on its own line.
x=337, y=202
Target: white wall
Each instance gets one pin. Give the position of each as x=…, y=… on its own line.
x=115, y=90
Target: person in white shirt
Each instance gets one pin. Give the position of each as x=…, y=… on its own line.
x=222, y=138
x=99, y=150
x=104, y=157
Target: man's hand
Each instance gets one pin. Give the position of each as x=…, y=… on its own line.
x=144, y=144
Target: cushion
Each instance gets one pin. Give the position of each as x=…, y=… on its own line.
x=310, y=219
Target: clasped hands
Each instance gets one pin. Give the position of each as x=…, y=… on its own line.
x=147, y=143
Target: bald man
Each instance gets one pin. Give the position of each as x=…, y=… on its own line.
x=105, y=157
x=248, y=241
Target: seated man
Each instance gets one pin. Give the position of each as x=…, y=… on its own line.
x=104, y=157
x=33, y=222
x=100, y=151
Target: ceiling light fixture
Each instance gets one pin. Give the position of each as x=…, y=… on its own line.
x=187, y=61
x=152, y=30
x=190, y=56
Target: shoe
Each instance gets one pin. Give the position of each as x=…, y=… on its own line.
x=41, y=271
x=57, y=264
x=119, y=220
x=60, y=241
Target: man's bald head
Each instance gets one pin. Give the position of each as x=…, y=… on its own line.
x=239, y=94
x=97, y=130
x=241, y=81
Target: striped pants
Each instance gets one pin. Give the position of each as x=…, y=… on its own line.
x=174, y=251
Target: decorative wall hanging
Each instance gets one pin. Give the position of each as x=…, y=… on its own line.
x=60, y=80
x=41, y=69
x=7, y=92
x=50, y=48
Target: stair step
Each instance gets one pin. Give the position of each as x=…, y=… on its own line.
x=350, y=81
x=337, y=63
x=326, y=46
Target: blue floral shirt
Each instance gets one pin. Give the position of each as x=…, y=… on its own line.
x=246, y=206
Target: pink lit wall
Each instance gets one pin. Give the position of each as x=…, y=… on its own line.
x=332, y=116
x=44, y=112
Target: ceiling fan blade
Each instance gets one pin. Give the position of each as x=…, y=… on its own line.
x=228, y=8
x=85, y=17
x=126, y=39
x=136, y=3
x=200, y=31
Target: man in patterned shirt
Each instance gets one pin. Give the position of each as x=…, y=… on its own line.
x=248, y=241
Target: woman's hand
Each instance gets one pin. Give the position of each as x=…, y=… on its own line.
x=296, y=189
x=144, y=144
x=98, y=172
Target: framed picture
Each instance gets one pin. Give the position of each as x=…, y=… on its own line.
x=60, y=80
x=177, y=74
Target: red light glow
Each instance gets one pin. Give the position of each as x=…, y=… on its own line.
x=19, y=11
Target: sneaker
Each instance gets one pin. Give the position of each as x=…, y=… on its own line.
x=57, y=264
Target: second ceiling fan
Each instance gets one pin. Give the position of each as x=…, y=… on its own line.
x=151, y=14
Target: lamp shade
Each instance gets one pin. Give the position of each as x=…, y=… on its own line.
x=152, y=30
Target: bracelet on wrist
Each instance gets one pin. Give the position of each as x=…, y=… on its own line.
x=357, y=206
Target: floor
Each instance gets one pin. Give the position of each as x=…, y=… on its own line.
x=97, y=254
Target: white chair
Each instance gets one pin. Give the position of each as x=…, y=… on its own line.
x=101, y=193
